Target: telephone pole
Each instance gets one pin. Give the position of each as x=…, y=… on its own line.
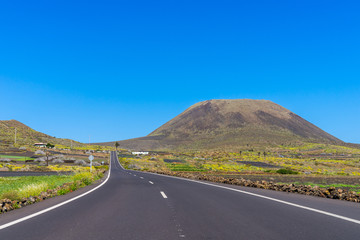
x=15, y=134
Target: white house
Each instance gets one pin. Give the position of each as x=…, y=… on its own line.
x=40, y=144
x=140, y=153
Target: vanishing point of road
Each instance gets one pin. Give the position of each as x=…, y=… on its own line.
x=133, y=205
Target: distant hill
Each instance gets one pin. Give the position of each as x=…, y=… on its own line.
x=26, y=135
x=228, y=124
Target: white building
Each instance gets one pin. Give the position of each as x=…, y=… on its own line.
x=140, y=153
x=40, y=144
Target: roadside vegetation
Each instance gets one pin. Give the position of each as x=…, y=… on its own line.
x=324, y=164
x=17, y=192
x=17, y=188
x=71, y=166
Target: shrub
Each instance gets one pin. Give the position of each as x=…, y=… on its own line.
x=33, y=189
x=84, y=177
x=12, y=195
x=63, y=191
x=74, y=186
x=286, y=171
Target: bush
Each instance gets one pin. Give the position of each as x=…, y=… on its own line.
x=63, y=191
x=286, y=171
x=74, y=186
x=12, y=195
x=33, y=189
x=84, y=177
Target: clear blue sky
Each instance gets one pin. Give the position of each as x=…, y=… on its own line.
x=119, y=69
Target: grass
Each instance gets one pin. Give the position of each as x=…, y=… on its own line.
x=183, y=167
x=337, y=185
x=286, y=171
x=31, y=185
x=16, y=188
x=17, y=158
x=350, y=187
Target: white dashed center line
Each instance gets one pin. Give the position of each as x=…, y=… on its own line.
x=163, y=194
x=151, y=182
x=141, y=177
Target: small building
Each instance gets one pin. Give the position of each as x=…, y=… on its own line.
x=140, y=153
x=40, y=145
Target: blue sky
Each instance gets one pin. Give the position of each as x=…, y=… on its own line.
x=115, y=70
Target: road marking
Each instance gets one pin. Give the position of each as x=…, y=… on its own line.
x=141, y=177
x=268, y=198
x=134, y=175
x=151, y=182
x=55, y=206
x=163, y=194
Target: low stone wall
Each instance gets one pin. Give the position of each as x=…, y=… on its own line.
x=331, y=192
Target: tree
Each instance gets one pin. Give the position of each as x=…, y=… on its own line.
x=49, y=145
x=48, y=157
x=116, y=145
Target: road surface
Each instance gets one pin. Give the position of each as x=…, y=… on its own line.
x=136, y=205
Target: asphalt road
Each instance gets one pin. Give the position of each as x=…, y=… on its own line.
x=137, y=205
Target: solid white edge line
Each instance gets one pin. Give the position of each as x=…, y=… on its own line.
x=57, y=205
x=268, y=198
x=163, y=194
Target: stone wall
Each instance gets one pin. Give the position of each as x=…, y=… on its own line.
x=331, y=192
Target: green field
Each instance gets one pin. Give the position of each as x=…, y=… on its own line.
x=183, y=167
x=16, y=158
x=16, y=188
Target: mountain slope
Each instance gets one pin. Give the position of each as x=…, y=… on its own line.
x=231, y=123
x=26, y=135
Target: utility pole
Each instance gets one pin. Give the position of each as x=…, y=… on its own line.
x=47, y=154
x=15, y=135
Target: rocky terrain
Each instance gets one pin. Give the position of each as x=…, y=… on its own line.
x=331, y=192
